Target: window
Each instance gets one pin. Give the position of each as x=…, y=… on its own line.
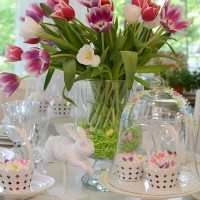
x=189, y=43
x=7, y=30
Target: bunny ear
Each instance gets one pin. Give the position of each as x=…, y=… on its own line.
x=72, y=132
x=81, y=132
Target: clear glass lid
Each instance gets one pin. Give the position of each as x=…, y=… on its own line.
x=155, y=153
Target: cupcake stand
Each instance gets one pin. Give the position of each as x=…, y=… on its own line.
x=155, y=183
x=155, y=156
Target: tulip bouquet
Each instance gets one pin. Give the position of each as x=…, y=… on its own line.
x=103, y=50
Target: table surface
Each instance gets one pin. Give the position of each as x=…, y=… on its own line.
x=75, y=189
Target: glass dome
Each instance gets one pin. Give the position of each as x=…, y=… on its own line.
x=155, y=155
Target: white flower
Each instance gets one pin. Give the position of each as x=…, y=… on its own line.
x=86, y=56
x=153, y=24
x=131, y=13
x=29, y=28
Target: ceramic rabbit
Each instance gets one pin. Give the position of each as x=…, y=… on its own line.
x=74, y=149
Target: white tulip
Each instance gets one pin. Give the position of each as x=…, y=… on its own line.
x=131, y=13
x=153, y=24
x=86, y=56
x=29, y=28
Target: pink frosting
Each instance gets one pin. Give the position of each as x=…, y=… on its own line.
x=163, y=160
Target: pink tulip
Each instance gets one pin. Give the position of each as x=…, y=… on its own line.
x=100, y=19
x=150, y=11
x=57, y=1
x=107, y=2
x=89, y=3
x=63, y=11
x=13, y=53
x=171, y=18
x=139, y=3
x=35, y=12
x=36, y=61
x=96, y=3
x=51, y=3
x=9, y=82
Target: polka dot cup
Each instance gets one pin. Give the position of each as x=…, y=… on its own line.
x=129, y=171
x=162, y=179
x=13, y=181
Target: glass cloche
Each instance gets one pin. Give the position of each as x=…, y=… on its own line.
x=155, y=155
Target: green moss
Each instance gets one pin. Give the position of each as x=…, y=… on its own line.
x=129, y=146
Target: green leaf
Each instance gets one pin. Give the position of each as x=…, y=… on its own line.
x=116, y=24
x=60, y=42
x=85, y=75
x=46, y=8
x=145, y=59
x=73, y=36
x=153, y=68
x=104, y=55
x=142, y=82
x=57, y=65
x=97, y=71
x=130, y=63
x=118, y=62
x=140, y=44
x=117, y=46
x=110, y=37
x=48, y=78
x=49, y=31
x=67, y=98
x=48, y=48
x=129, y=40
x=173, y=51
x=61, y=56
x=69, y=68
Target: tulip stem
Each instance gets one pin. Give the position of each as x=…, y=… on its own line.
x=111, y=39
x=102, y=41
x=138, y=31
x=158, y=34
x=63, y=55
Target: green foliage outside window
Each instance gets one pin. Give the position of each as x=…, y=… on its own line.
x=7, y=30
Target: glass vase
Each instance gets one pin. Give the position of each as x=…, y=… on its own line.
x=102, y=105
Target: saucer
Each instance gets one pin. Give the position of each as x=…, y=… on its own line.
x=39, y=184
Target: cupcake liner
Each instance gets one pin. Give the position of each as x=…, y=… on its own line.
x=162, y=179
x=16, y=181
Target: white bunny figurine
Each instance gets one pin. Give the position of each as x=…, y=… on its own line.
x=75, y=148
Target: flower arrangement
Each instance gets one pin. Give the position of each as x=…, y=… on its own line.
x=103, y=50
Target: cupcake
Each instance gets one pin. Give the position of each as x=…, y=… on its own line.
x=162, y=171
x=129, y=166
x=16, y=175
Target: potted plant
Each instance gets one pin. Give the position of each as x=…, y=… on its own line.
x=178, y=78
x=195, y=84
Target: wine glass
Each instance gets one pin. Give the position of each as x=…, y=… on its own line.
x=25, y=115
